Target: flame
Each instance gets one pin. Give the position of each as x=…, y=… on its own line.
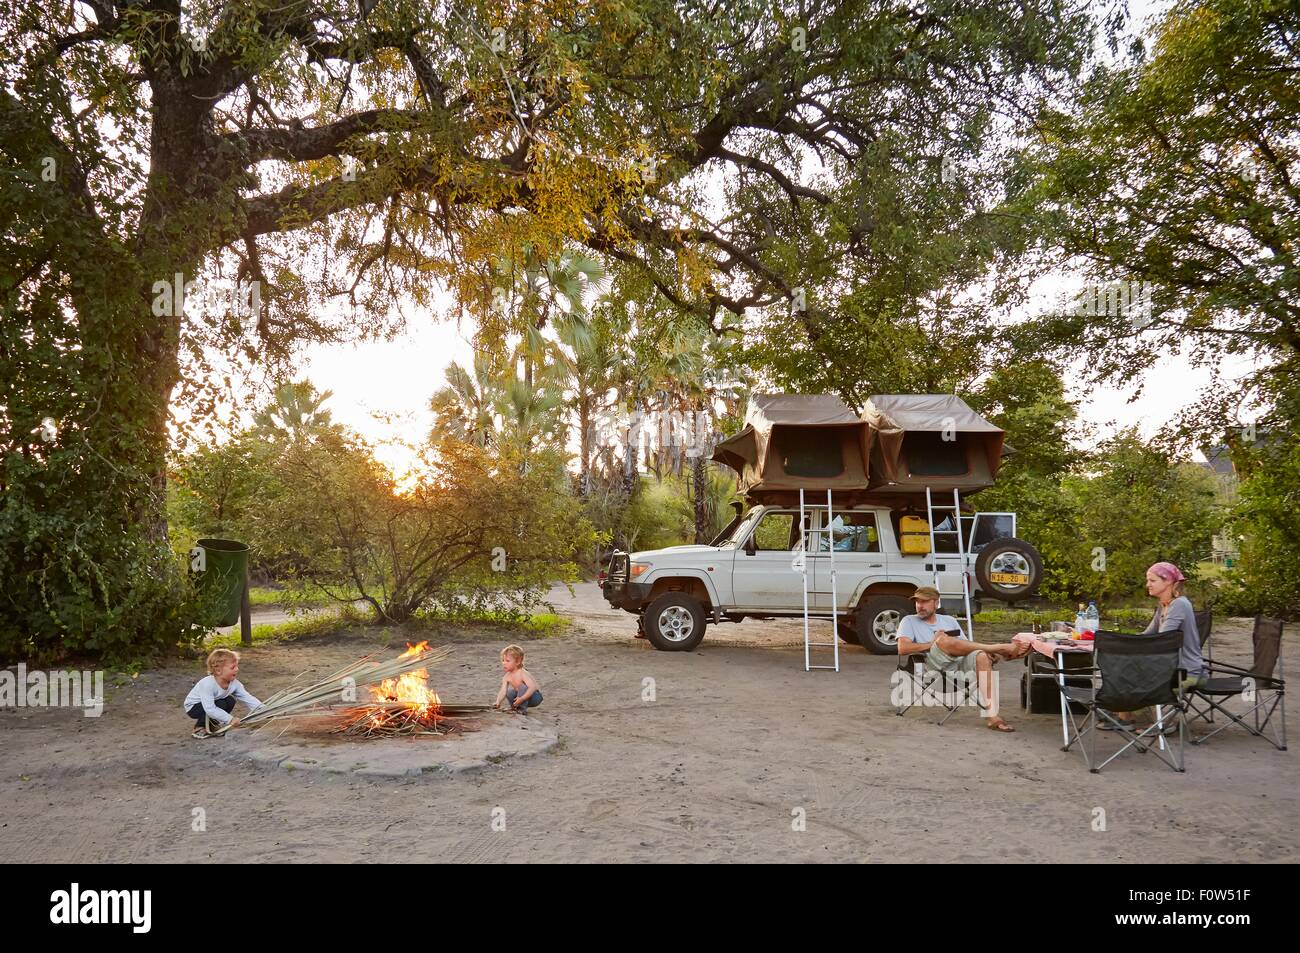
x=409, y=688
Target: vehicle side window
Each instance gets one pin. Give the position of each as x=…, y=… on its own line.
x=989, y=528
x=856, y=533
x=774, y=532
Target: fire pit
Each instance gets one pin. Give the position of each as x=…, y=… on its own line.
x=402, y=728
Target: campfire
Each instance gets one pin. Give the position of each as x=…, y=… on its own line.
x=403, y=705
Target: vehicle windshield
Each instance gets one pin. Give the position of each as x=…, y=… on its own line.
x=741, y=530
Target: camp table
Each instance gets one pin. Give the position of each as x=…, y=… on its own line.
x=1057, y=650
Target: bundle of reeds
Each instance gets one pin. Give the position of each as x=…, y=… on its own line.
x=338, y=687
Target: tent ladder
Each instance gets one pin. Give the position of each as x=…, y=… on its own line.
x=930, y=509
x=809, y=546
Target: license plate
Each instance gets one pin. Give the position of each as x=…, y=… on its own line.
x=1013, y=578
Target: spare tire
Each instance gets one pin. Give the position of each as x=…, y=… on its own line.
x=1009, y=569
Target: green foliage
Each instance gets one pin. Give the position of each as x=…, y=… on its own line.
x=312, y=626
x=540, y=625
x=1127, y=507
x=1177, y=166
x=480, y=531
x=1027, y=400
x=656, y=517
x=214, y=489
x=84, y=564
x=1267, y=518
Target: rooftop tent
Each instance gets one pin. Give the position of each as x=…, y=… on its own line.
x=932, y=440
x=792, y=441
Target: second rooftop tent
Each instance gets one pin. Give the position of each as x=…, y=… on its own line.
x=931, y=440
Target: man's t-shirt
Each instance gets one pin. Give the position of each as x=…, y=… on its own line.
x=918, y=630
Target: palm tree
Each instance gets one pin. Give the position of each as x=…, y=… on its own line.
x=464, y=408
x=548, y=291
x=588, y=370
x=296, y=413
x=529, y=413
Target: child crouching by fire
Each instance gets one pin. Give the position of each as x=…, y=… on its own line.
x=518, y=687
x=211, y=701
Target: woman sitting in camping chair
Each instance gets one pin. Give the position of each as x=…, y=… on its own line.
x=1174, y=611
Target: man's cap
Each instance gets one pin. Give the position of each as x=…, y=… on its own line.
x=926, y=592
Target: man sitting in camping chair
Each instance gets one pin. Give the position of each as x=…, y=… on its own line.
x=930, y=632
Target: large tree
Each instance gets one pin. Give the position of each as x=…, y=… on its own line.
x=1178, y=169
x=343, y=155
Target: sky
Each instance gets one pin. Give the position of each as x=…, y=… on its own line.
x=381, y=389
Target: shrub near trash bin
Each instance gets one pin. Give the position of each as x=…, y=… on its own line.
x=222, y=567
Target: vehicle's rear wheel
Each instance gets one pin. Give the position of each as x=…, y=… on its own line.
x=1009, y=569
x=674, y=622
x=878, y=621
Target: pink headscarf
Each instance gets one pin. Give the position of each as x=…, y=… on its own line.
x=1168, y=572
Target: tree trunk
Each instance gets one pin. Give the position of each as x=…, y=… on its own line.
x=700, y=472
x=629, y=460
x=584, y=444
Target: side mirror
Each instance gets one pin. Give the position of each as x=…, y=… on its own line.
x=750, y=548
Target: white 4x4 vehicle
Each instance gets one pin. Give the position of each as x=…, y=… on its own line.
x=752, y=570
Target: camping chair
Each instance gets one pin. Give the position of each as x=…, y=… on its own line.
x=1136, y=671
x=1204, y=623
x=953, y=694
x=1266, y=691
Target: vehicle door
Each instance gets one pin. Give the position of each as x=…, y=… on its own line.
x=856, y=537
x=765, y=574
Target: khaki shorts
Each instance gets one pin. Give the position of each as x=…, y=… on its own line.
x=946, y=663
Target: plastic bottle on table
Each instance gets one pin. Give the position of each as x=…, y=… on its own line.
x=1080, y=620
x=1093, y=618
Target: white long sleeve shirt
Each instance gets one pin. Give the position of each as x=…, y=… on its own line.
x=208, y=690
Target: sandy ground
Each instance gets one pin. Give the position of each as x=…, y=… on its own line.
x=738, y=746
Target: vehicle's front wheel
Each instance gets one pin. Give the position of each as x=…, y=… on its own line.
x=878, y=621
x=674, y=622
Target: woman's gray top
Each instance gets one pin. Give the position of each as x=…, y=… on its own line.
x=1180, y=615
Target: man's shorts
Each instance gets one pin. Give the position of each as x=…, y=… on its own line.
x=946, y=663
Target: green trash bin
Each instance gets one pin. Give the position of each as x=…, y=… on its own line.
x=222, y=565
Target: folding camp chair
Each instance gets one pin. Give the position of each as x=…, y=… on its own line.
x=1204, y=625
x=1262, y=691
x=954, y=691
x=1136, y=671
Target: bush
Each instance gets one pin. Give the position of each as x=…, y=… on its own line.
x=80, y=579
x=1267, y=519
x=482, y=531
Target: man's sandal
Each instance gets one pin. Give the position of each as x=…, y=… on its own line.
x=199, y=733
x=999, y=725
